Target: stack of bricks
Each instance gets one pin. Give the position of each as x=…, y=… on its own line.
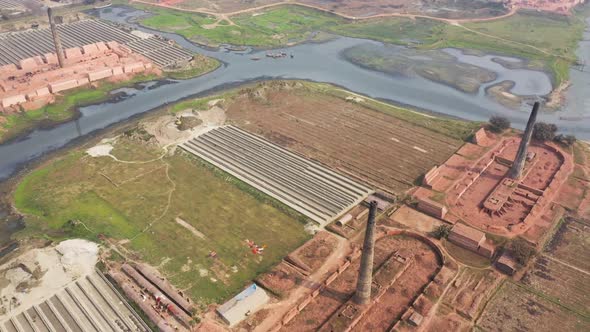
x=35, y=80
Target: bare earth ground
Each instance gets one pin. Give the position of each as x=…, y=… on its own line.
x=369, y=145
x=393, y=303
x=516, y=309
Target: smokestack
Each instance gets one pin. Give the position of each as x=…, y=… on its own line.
x=56, y=41
x=365, y=280
x=518, y=165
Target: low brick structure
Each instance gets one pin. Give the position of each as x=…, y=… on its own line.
x=471, y=239
x=506, y=264
x=35, y=80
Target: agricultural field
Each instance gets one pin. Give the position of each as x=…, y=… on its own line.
x=168, y=209
x=369, y=143
x=514, y=308
x=567, y=285
x=571, y=243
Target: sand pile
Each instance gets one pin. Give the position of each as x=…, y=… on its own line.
x=37, y=274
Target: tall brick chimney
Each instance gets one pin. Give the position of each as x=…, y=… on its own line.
x=516, y=171
x=365, y=280
x=56, y=41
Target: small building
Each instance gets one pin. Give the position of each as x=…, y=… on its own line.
x=242, y=305
x=416, y=319
x=344, y=219
x=471, y=239
x=506, y=264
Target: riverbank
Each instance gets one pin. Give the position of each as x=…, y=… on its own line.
x=66, y=106
x=547, y=38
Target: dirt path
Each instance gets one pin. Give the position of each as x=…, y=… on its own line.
x=455, y=22
x=566, y=264
x=350, y=17
x=279, y=309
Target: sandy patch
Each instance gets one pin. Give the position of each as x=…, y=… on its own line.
x=100, y=150
x=38, y=274
x=165, y=129
x=190, y=228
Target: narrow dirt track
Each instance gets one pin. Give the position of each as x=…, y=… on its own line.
x=350, y=17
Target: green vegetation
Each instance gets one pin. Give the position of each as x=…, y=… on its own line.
x=63, y=109
x=442, y=231
x=548, y=41
x=198, y=66
x=275, y=27
x=498, y=123
x=142, y=203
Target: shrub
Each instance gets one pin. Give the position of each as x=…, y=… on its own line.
x=498, y=124
x=567, y=140
x=544, y=131
x=522, y=250
x=441, y=231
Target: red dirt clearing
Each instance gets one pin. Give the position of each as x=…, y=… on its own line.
x=392, y=304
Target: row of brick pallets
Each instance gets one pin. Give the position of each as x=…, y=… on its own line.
x=89, y=304
x=305, y=186
x=16, y=46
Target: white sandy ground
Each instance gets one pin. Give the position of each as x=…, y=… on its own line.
x=44, y=272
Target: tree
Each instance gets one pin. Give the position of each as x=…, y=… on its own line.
x=521, y=250
x=498, y=124
x=441, y=231
x=567, y=140
x=544, y=131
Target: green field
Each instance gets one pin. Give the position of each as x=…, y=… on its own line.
x=548, y=40
x=274, y=27
x=81, y=196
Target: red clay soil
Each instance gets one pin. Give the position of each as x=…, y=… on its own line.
x=281, y=280
x=376, y=148
x=396, y=300
x=392, y=304
x=314, y=252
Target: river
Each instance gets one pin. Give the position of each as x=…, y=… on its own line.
x=319, y=62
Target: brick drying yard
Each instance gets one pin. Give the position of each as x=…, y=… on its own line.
x=376, y=147
x=422, y=264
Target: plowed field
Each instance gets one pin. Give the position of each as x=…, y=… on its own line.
x=374, y=147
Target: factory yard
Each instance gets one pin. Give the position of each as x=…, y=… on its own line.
x=206, y=210
x=89, y=304
x=382, y=147
x=16, y=46
x=134, y=194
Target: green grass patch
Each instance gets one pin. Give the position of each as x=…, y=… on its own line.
x=273, y=27
x=70, y=197
x=200, y=65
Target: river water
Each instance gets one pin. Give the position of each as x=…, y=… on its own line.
x=317, y=62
